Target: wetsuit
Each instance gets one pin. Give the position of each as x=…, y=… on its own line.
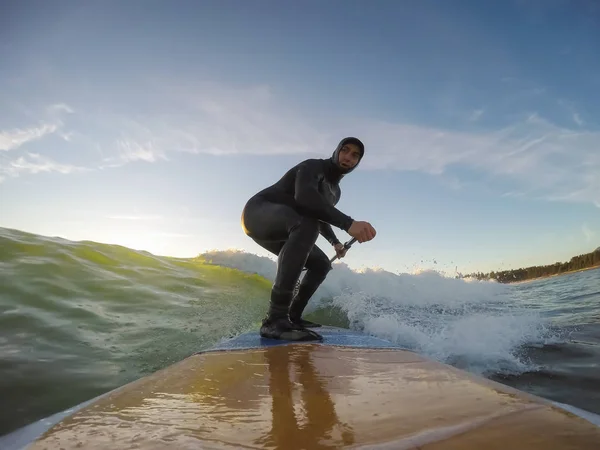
x=286, y=219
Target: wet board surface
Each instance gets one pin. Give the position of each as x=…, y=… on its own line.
x=351, y=391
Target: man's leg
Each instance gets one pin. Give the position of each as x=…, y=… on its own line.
x=318, y=266
x=281, y=230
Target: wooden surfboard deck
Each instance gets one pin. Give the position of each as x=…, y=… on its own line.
x=351, y=391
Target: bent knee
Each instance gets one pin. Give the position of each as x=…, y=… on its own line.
x=320, y=266
x=324, y=268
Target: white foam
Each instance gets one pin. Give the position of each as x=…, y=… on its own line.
x=471, y=337
x=246, y=262
x=475, y=325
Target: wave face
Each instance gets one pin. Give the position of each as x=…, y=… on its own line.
x=476, y=325
x=80, y=318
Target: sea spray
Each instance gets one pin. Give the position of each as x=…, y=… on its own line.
x=474, y=325
x=480, y=340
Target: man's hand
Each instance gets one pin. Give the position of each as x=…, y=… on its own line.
x=362, y=231
x=340, y=250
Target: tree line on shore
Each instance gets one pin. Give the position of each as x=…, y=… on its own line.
x=579, y=262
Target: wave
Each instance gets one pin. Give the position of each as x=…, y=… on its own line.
x=474, y=325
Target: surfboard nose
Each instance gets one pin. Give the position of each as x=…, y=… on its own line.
x=318, y=396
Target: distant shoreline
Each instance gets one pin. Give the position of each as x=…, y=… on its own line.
x=553, y=275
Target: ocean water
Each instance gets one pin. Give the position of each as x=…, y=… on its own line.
x=80, y=318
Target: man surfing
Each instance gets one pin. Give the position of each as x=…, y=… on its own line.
x=286, y=219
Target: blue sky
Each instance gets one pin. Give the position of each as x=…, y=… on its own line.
x=149, y=124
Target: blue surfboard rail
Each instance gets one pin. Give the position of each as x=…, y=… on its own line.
x=334, y=336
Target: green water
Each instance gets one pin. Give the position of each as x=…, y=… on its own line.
x=80, y=318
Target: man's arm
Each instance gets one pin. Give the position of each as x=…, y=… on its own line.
x=327, y=232
x=309, y=198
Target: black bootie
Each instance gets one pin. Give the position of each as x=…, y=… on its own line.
x=277, y=324
x=296, y=310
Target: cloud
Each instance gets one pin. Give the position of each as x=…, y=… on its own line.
x=514, y=194
x=60, y=108
x=15, y=138
x=220, y=121
x=164, y=234
x=531, y=155
x=589, y=234
x=574, y=115
x=34, y=163
x=130, y=151
x=476, y=115
x=136, y=217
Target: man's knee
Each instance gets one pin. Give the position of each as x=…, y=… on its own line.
x=319, y=264
x=324, y=267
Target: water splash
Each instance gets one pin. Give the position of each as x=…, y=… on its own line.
x=474, y=325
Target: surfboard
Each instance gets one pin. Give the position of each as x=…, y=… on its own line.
x=351, y=390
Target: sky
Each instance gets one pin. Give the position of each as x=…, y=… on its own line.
x=150, y=124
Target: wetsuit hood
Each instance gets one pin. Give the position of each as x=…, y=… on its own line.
x=336, y=153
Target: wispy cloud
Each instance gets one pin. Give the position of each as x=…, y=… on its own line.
x=223, y=121
x=570, y=109
x=33, y=163
x=136, y=217
x=129, y=151
x=51, y=123
x=15, y=138
x=532, y=155
x=587, y=232
x=60, y=108
x=476, y=115
x=165, y=234
x=514, y=194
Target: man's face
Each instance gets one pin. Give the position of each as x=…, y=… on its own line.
x=349, y=156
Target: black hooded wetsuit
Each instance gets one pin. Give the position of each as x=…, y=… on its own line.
x=286, y=219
